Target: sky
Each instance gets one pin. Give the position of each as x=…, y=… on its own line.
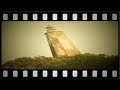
x=27, y=38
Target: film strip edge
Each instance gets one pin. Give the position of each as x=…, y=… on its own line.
x=59, y=16
x=60, y=73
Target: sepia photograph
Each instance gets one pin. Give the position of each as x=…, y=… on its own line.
x=60, y=45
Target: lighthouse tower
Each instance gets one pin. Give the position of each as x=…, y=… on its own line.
x=59, y=43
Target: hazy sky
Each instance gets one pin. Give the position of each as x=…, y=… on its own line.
x=27, y=38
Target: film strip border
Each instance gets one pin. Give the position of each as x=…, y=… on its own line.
x=59, y=16
x=60, y=74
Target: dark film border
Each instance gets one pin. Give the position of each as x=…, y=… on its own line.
x=60, y=18
x=81, y=16
x=81, y=74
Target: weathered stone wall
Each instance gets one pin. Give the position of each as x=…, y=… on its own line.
x=60, y=44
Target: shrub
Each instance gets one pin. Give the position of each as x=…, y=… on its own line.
x=82, y=61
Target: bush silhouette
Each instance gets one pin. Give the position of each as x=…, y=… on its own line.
x=83, y=61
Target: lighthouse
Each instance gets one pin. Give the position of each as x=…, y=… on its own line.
x=59, y=43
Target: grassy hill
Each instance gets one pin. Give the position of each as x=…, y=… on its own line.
x=83, y=61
